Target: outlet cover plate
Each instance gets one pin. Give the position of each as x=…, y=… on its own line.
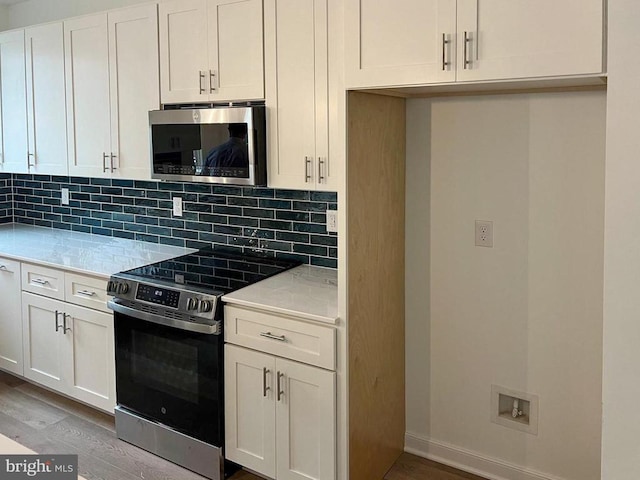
x=332, y=221
x=177, y=206
x=484, y=233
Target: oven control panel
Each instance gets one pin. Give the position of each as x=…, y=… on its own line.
x=157, y=295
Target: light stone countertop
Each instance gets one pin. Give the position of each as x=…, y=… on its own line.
x=84, y=253
x=306, y=291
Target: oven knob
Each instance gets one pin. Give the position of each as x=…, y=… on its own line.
x=122, y=288
x=192, y=303
x=206, y=306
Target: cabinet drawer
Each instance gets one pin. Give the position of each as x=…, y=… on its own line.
x=284, y=337
x=43, y=281
x=86, y=291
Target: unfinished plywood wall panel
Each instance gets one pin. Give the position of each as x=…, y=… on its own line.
x=375, y=212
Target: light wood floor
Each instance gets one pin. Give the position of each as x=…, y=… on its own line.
x=48, y=423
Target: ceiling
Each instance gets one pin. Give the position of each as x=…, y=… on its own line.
x=10, y=2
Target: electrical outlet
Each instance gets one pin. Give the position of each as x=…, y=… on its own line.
x=64, y=196
x=332, y=220
x=177, y=206
x=484, y=233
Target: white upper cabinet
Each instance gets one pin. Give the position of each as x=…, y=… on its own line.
x=521, y=39
x=87, y=80
x=399, y=42
x=296, y=67
x=46, y=109
x=112, y=82
x=134, y=86
x=211, y=50
x=418, y=42
x=13, y=103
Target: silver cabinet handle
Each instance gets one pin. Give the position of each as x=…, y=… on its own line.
x=64, y=323
x=212, y=81
x=86, y=293
x=445, y=42
x=57, y=326
x=39, y=281
x=265, y=388
x=3, y=267
x=271, y=336
x=112, y=156
x=201, y=77
x=321, y=178
x=104, y=162
x=467, y=41
x=29, y=164
x=280, y=391
x=307, y=164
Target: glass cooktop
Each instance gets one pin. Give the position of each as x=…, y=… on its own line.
x=212, y=270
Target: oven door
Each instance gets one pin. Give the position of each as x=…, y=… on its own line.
x=171, y=376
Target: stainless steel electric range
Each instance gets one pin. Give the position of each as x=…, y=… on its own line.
x=169, y=353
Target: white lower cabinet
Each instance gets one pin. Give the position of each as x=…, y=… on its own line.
x=43, y=340
x=69, y=349
x=66, y=346
x=10, y=317
x=280, y=416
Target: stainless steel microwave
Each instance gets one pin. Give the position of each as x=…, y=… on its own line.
x=216, y=145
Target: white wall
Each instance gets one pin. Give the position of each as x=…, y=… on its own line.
x=621, y=381
x=41, y=11
x=526, y=314
x=4, y=20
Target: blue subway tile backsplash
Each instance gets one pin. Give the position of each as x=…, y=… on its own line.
x=281, y=223
x=6, y=198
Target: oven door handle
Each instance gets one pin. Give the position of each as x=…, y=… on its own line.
x=168, y=322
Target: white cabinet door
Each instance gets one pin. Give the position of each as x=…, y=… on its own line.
x=135, y=87
x=280, y=416
x=183, y=51
x=87, y=79
x=13, y=103
x=46, y=108
x=305, y=422
x=520, y=38
x=297, y=93
x=89, y=356
x=236, y=64
x=43, y=340
x=10, y=317
x=399, y=42
x=249, y=409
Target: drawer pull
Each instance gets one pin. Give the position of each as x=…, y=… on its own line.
x=39, y=281
x=271, y=336
x=3, y=267
x=86, y=293
x=280, y=391
x=265, y=388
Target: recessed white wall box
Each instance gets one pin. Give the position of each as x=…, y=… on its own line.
x=484, y=233
x=517, y=410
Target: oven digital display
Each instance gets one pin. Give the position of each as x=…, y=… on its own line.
x=159, y=296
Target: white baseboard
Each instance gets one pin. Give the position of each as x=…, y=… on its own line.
x=468, y=461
